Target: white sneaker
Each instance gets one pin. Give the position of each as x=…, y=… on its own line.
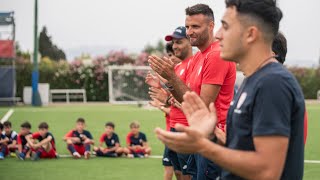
x=76, y=155
x=130, y=156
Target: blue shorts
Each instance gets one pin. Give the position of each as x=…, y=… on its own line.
x=166, y=159
x=205, y=169
x=179, y=161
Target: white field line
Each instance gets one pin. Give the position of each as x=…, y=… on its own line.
x=312, y=161
x=160, y=157
x=68, y=155
x=7, y=116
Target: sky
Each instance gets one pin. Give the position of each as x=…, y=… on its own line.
x=130, y=25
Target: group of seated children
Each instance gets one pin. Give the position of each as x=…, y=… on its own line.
x=36, y=145
x=41, y=144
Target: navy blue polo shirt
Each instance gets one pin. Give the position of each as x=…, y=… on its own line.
x=2, y=136
x=12, y=136
x=75, y=133
x=110, y=142
x=133, y=141
x=270, y=102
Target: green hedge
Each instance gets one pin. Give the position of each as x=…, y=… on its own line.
x=94, y=78
x=61, y=75
x=309, y=80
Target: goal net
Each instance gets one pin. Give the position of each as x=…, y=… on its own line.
x=127, y=84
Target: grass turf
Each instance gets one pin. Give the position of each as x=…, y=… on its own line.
x=62, y=118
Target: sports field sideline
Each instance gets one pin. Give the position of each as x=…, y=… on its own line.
x=62, y=118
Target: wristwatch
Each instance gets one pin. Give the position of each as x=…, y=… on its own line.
x=169, y=87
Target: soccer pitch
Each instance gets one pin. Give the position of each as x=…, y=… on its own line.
x=62, y=118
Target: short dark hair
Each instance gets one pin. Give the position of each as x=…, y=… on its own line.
x=200, y=9
x=7, y=124
x=169, y=48
x=1, y=127
x=279, y=47
x=81, y=120
x=264, y=12
x=110, y=124
x=26, y=125
x=43, y=125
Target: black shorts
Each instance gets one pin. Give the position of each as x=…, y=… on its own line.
x=179, y=161
x=166, y=160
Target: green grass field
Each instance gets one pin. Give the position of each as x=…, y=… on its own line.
x=62, y=118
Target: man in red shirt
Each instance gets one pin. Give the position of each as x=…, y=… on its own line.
x=208, y=75
x=182, y=50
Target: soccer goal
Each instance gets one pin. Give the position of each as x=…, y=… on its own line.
x=127, y=84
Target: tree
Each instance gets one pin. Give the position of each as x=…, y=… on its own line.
x=159, y=47
x=47, y=48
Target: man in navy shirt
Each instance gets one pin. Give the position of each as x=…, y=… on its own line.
x=265, y=119
x=137, y=145
x=79, y=140
x=111, y=140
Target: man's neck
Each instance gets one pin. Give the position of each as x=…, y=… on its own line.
x=189, y=55
x=255, y=59
x=207, y=44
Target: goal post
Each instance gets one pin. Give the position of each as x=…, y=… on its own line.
x=127, y=84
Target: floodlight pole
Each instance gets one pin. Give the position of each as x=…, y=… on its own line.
x=36, y=99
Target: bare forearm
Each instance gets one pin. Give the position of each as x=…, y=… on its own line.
x=14, y=143
x=179, y=88
x=4, y=141
x=165, y=110
x=43, y=142
x=114, y=148
x=247, y=164
x=29, y=140
x=130, y=147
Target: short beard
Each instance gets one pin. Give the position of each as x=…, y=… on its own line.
x=202, y=39
x=183, y=55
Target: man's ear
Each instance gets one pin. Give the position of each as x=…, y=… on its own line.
x=211, y=25
x=251, y=34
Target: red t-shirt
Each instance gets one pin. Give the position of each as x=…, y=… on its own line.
x=176, y=115
x=208, y=68
x=167, y=122
x=37, y=136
